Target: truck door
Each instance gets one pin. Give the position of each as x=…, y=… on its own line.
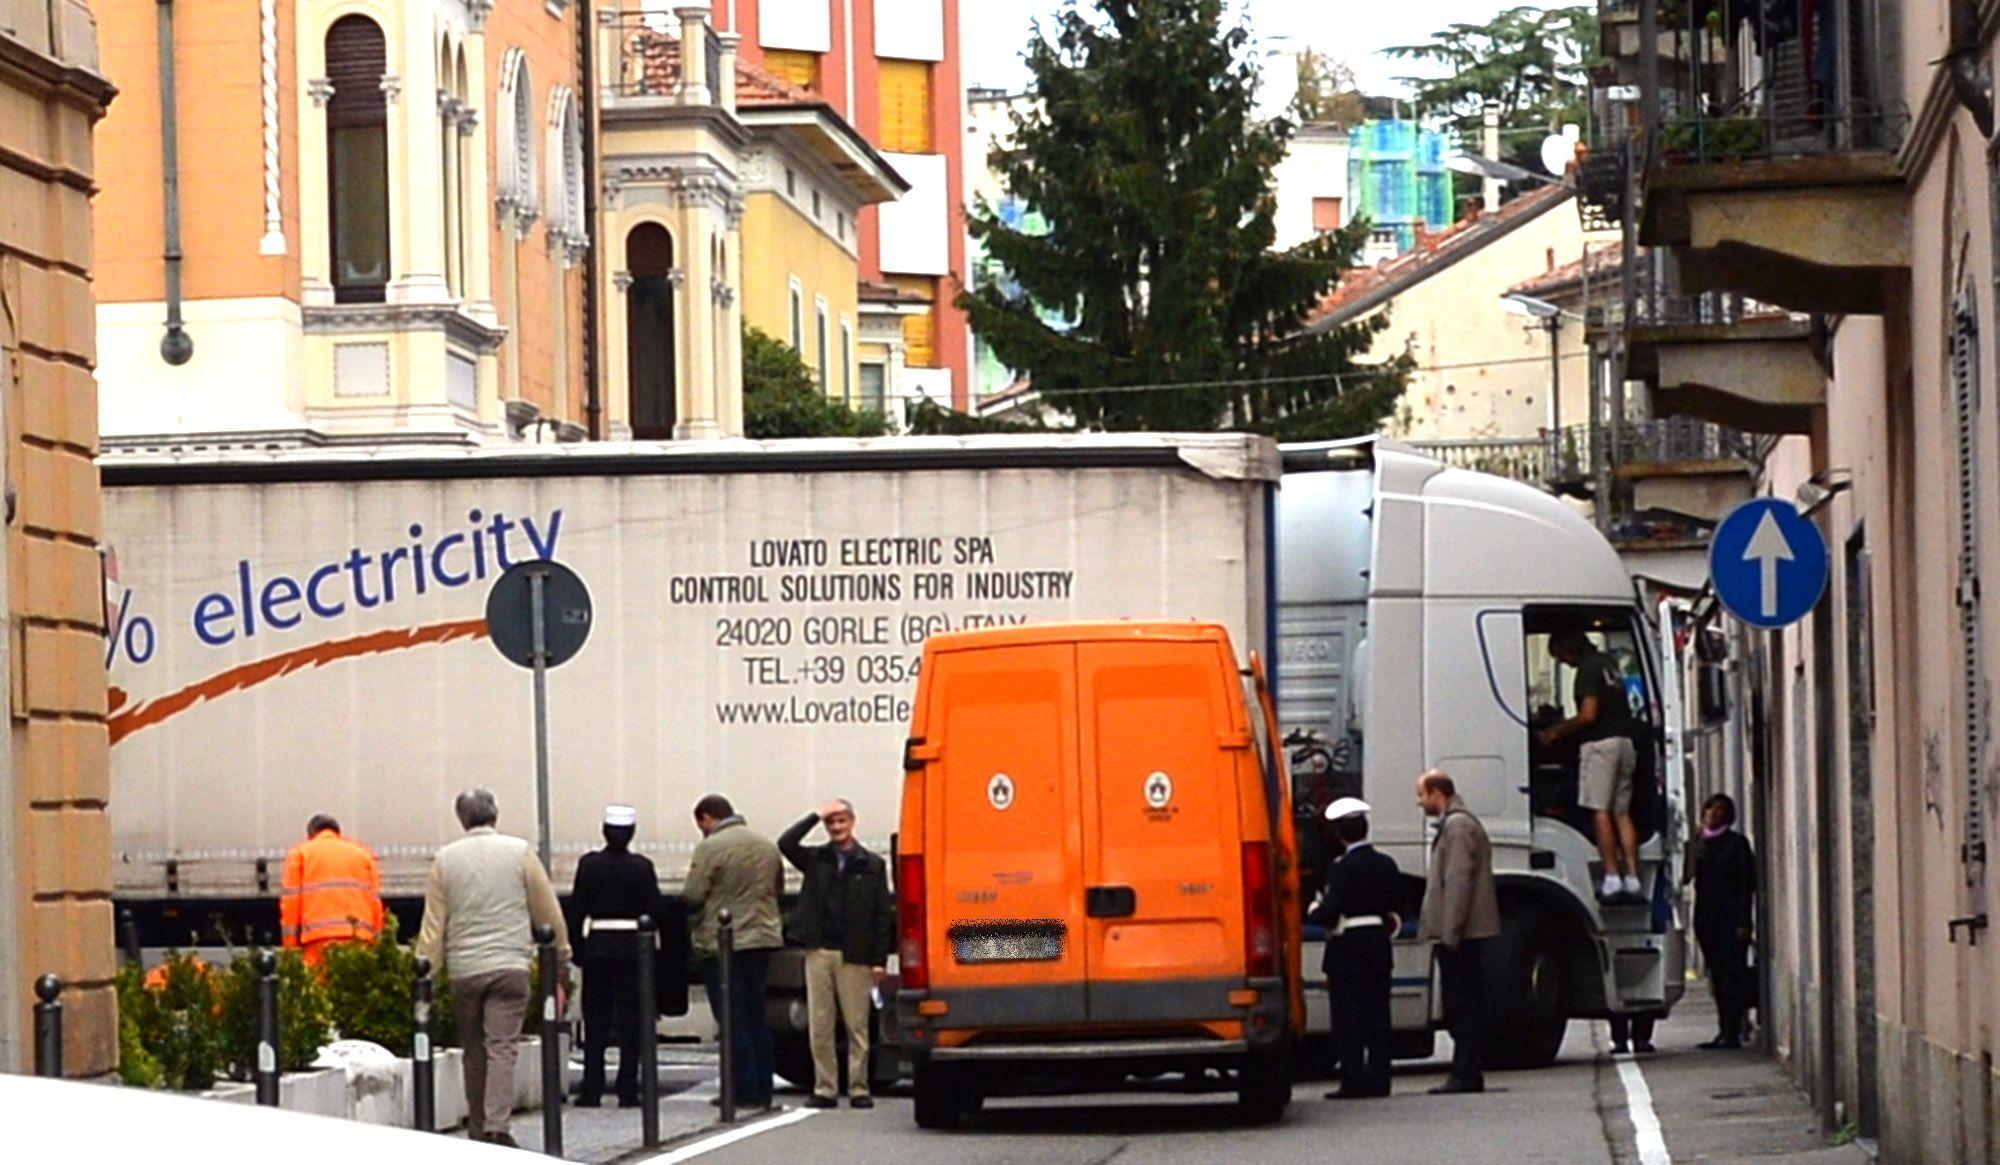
x=1008, y=943
x=1163, y=860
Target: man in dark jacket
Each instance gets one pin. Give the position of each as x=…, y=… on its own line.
x=848, y=927
x=614, y=886
x=1358, y=910
x=1725, y=890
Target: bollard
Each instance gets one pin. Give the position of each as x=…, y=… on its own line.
x=725, y=950
x=552, y=1069
x=423, y=1070
x=649, y=1036
x=267, y=1029
x=128, y=935
x=48, y=1027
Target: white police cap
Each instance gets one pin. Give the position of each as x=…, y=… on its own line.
x=1347, y=807
x=621, y=815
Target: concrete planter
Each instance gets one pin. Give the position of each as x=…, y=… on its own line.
x=321, y=1091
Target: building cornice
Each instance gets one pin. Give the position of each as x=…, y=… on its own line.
x=355, y=319
x=38, y=72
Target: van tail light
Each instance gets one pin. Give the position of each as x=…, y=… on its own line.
x=912, y=931
x=1260, y=912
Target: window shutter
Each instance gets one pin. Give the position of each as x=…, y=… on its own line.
x=906, y=107
x=357, y=57
x=793, y=66
x=920, y=339
x=1965, y=415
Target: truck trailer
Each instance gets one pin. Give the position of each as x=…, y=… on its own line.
x=302, y=631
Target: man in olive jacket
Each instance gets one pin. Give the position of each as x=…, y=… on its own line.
x=738, y=868
x=1461, y=911
x=848, y=927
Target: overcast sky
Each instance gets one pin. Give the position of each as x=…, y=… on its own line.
x=1352, y=30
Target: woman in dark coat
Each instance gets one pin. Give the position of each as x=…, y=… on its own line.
x=1725, y=890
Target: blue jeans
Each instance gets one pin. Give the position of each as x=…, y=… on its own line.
x=755, y=1063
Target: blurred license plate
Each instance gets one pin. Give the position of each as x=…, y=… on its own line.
x=1007, y=947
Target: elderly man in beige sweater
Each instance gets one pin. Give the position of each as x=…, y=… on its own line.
x=487, y=891
x=1461, y=911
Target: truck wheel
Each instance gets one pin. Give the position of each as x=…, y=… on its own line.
x=1525, y=1002
x=1264, y=1089
x=937, y=1095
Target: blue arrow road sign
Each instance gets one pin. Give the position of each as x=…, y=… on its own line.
x=1769, y=563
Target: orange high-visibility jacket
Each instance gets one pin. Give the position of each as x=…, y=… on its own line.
x=333, y=891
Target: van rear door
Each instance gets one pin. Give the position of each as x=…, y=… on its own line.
x=1163, y=744
x=1006, y=838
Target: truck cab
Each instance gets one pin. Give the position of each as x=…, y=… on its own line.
x=1416, y=604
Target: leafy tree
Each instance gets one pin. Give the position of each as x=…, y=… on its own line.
x=1533, y=61
x=781, y=397
x=1327, y=93
x=1143, y=155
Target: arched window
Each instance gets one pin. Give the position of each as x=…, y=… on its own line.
x=449, y=178
x=565, y=176
x=518, y=194
x=357, y=159
x=649, y=331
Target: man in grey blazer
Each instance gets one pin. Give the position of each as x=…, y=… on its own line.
x=1461, y=911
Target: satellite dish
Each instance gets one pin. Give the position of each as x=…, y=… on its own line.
x=1559, y=151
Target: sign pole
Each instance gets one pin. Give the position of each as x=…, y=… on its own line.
x=537, y=581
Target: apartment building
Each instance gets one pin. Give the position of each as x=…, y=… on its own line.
x=1837, y=160
x=891, y=69
x=55, y=836
x=334, y=221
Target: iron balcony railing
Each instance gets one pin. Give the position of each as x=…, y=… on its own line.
x=1570, y=456
x=645, y=53
x=1520, y=458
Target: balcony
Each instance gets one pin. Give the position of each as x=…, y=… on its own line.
x=1727, y=359
x=1774, y=174
x=640, y=62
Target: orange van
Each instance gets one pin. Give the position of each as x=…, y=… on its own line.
x=1095, y=872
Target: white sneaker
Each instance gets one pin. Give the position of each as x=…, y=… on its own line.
x=1611, y=887
x=1632, y=887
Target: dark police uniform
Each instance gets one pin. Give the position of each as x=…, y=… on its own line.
x=1356, y=909
x=613, y=888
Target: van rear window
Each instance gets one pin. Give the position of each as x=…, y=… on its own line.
x=1008, y=942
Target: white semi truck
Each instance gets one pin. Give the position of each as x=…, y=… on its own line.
x=294, y=633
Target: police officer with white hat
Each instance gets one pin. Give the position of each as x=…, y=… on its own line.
x=614, y=886
x=1358, y=910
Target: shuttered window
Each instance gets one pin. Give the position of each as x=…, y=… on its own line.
x=920, y=329
x=798, y=68
x=357, y=159
x=1326, y=214
x=906, y=107
x=1965, y=418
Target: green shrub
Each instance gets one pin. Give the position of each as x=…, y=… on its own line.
x=371, y=991
x=168, y=1034
x=305, y=1021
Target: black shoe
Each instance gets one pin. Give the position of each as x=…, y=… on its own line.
x=1721, y=1044
x=588, y=1102
x=1645, y=1049
x=504, y=1140
x=1454, y=1086
x=818, y=1101
x=861, y=1102
x=1619, y=1049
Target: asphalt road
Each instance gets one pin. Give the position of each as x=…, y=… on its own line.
x=1573, y=1112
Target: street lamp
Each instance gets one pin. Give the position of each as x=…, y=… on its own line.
x=1550, y=317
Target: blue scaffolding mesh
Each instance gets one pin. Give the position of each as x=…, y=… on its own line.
x=1397, y=176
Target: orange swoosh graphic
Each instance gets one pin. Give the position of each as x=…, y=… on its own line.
x=249, y=675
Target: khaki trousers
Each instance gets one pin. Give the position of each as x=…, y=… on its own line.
x=834, y=987
x=489, y=1009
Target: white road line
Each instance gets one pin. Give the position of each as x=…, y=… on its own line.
x=723, y=1140
x=1645, y=1122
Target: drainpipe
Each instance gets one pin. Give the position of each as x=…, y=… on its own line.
x=593, y=407
x=176, y=347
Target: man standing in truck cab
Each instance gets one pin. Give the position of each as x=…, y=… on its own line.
x=614, y=887
x=1461, y=911
x=332, y=891
x=1358, y=910
x=848, y=926
x=1607, y=758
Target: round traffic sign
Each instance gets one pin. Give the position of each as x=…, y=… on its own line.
x=1769, y=563
x=566, y=613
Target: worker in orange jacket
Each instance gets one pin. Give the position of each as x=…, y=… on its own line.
x=332, y=891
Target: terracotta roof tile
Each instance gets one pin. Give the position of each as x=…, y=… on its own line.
x=1603, y=261
x=1435, y=250
x=754, y=86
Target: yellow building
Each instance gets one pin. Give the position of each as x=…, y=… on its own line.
x=55, y=840
x=733, y=198
x=341, y=220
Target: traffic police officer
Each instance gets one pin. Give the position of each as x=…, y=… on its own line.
x=1358, y=910
x=614, y=886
